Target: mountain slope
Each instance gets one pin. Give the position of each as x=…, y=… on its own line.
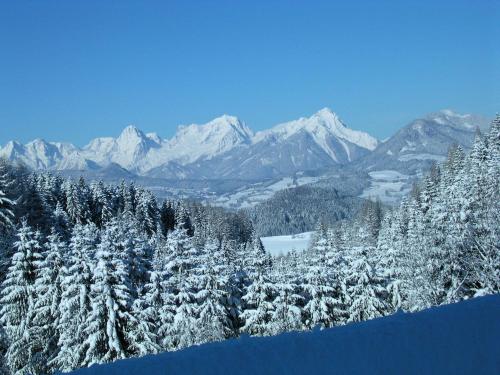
x=455, y=339
x=423, y=141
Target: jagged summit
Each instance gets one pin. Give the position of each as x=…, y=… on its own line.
x=218, y=127
x=322, y=125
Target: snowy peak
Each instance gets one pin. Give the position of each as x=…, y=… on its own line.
x=329, y=118
x=193, y=142
x=131, y=138
x=327, y=131
x=324, y=123
x=220, y=128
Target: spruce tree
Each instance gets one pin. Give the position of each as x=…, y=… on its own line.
x=47, y=298
x=110, y=323
x=18, y=301
x=76, y=303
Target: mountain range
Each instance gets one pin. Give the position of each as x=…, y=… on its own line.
x=227, y=149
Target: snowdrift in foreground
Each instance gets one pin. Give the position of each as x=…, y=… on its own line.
x=455, y=339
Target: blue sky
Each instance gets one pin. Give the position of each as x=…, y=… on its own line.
x=74, y=70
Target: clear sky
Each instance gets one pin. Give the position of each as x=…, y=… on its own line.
x=74, y=70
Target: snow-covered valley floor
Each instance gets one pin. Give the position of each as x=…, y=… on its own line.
x=455, y=339
x=277, y=245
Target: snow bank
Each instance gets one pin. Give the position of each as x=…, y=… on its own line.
x=456, y=339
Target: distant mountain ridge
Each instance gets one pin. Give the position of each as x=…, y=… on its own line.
x=225, y=163
x=222, y=148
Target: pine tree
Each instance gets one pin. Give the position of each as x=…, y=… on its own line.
x=6, y=203
x=47, y=299
x=147, y=213
x=257, y=261
x=287, y=314
x=321, y=308
x=18, y=304
x=60, y=222
x=259, y=309
x=110, y=323
x=213, y=323
x=158, y=310
x=365, y=290
x=183, y=332
x=135, y=250
x=76, y=304
x=391, y=262
x=4, y=346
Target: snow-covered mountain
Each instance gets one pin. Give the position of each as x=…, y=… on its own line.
x=225, y=159
x=328, y=132
x=222, y=148
x=423, y=142
x=318, y=142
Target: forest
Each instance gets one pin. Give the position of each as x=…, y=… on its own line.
x=92, y=273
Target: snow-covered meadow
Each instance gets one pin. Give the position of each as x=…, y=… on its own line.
x=281, y=245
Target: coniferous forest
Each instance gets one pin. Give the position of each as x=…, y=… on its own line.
x=92, y=273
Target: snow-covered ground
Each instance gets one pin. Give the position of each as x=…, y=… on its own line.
x=389, y=186
x=455, y=339
x=277, y=245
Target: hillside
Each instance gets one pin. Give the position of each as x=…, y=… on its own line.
x=455, y=339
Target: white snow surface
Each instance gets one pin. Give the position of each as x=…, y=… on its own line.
x=281, y=245
x=461, y=338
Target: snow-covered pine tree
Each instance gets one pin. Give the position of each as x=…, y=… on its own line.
x=365, y=289
x=127, y=198
x=257, y=261
x=158, y=308
x=390, y=261
x=287, y=314
x=44, y=329
x=135, y=251
x=103, y=204
x=77, y=202
x=183, y=332
x=213, y=323
x=110, y=322
x=60, y=222
x=178, y=266
x=76, y=305
x=4, y=346
x=147, y=213
x=143, y=334
x=6, y=203
x=18, y=304
x=322, y=308
x=259, y=307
